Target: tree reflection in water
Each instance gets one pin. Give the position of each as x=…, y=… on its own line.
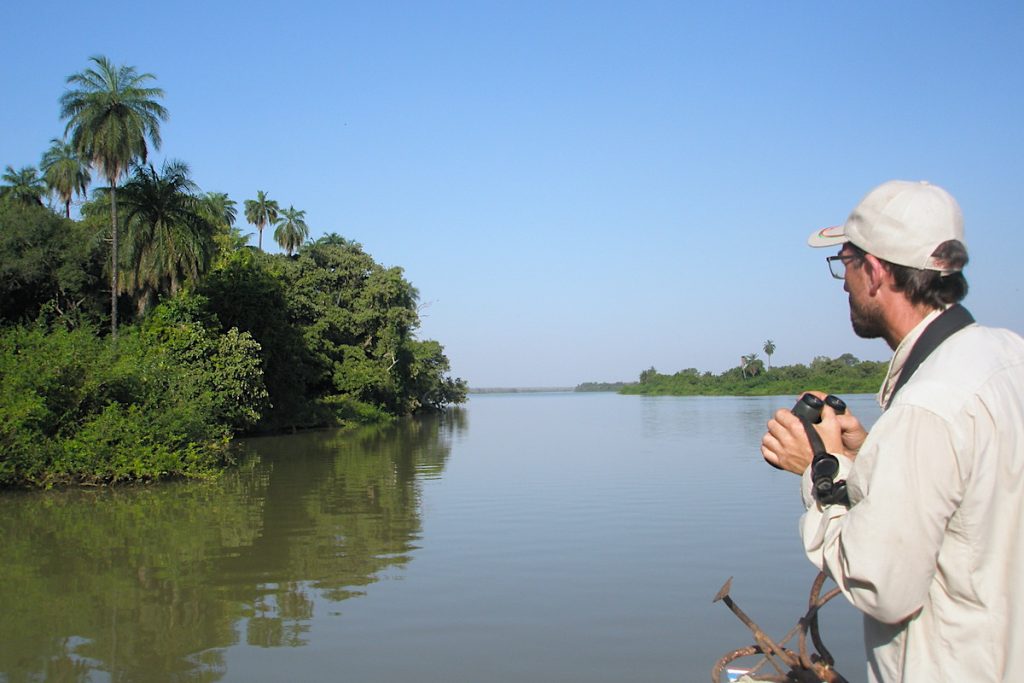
x=154, y=582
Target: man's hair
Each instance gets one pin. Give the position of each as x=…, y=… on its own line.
x=931, y=287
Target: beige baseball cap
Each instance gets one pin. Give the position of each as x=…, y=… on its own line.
x=900, y=221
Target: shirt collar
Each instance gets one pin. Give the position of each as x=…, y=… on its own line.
x=899, y=357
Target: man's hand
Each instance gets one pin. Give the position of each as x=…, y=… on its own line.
x=852, y=434
x=785, y=444
x=786, y=447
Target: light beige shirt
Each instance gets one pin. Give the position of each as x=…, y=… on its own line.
x=931, y=549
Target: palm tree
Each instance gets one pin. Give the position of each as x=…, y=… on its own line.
x=23, y=186
x=64, y=171
x=169, y=238
x=261, y=212
x=769, y=349
x=291, y=229
x=220, y=208
x=750, y=363
x=111, y=113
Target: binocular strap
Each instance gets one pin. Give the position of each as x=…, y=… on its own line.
x=824, y=469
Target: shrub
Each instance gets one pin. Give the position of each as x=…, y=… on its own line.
x=158, y=402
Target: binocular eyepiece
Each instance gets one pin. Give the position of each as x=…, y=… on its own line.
x=809, y=407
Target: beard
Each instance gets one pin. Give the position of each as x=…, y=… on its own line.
x=867, y=320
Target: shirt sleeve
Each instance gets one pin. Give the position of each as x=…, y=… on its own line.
x=904, y=487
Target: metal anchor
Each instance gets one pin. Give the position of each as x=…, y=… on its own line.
x=800, y=666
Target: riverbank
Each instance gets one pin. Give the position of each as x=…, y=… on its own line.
x=258, y=343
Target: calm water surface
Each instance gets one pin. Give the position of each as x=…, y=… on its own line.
x=527, y=537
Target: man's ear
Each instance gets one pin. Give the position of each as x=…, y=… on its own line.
x=877, y=273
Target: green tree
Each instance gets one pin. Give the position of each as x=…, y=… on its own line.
x=750, y=364
x=48, y=265
x=219, y=208
x=65, y=172
x=336, y=334
x=111, y=112
x=427, y=384
x=224, y=370
x=359, y=320
x=769, y=349
x=24, y=186
x=169, y=239
x=243, y=291
x=291, y=229
x=261, y=212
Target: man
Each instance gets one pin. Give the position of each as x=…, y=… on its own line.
x=929, y=544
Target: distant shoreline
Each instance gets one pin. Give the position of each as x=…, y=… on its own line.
x=846, y=374
x=517, y=390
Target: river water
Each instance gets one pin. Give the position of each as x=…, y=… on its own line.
x=525, y=537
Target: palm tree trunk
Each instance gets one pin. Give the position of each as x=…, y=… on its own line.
x=113, y=257
x=67, y=209
x=261, y=237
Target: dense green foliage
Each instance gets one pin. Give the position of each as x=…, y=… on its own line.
x=264, y=342
x=220, y=339
x=163, y=400
x=336, y=331
x=48, y=265
x=845, y=374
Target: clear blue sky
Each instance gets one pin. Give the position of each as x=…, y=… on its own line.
x=578, y=190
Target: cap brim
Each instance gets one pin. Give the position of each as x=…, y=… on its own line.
x=828, y=237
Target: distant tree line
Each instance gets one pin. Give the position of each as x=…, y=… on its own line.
x=844, y=374
x=602, y=386
x=136, y=341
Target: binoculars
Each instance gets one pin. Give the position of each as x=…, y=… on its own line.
x=809, y=407
x=824, y=466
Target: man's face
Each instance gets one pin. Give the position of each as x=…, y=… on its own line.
x=865, y=313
